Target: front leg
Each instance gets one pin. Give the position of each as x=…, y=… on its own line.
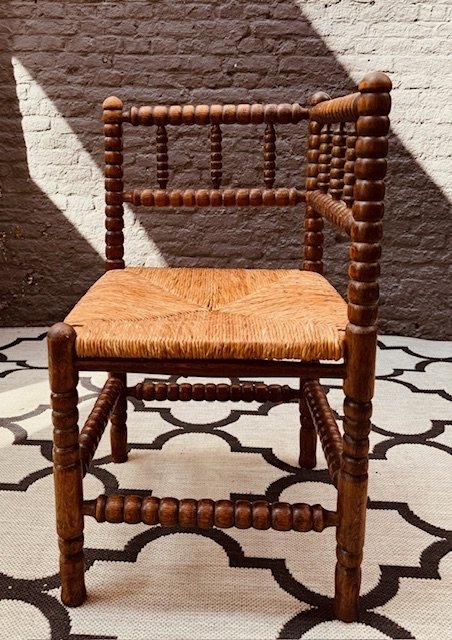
x=67, y=470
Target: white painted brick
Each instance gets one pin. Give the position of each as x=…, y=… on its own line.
x=83, y=203
x=37, y=123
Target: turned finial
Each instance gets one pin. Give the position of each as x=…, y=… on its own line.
x=375, y=82
x=318, y=96
x=112, y=102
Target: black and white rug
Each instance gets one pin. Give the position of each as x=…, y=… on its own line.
x=149, y=582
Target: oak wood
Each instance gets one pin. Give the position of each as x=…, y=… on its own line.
x=216, y=114
x=372, y=124
x=206, y=513
x=344, y=109
x=282, y=197
x=216, y=161
x=313, y=221
x=118, y=417
x=336, y=212
x=97, y=420
x=269, y=156
x=237, y=392
x=67, y=469
x=338, y=151
x=161, y=139
x=114, y=210
x=308, y=434
x=349, y=166
x=325, y=425
x=345, y=169
x=216, y=368
x=324, y=159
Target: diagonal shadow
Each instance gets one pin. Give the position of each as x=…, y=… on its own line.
x=160, y=51
x=46, y=263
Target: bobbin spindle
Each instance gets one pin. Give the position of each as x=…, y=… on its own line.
x=97, y=420
x=162, y=156
x=269, y=155
x=206, y=513
x=324, y=161
x=313, y=222
x=216, y=162
x=349, y=166
x=338, y=150
x=114, y=211
x=176, y=115
x=237, y=392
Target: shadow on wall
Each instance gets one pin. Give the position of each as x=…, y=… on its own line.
x=81, y=51
x=46, y=263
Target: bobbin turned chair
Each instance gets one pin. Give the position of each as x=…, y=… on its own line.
x=217, y=322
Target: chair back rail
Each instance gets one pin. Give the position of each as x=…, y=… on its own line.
x=203, y=114
x=346, y=151
x=215, y=197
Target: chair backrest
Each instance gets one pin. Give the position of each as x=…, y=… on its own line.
x=215, y=116
x=345, y=167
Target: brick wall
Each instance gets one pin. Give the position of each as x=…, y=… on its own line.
x=60, y=60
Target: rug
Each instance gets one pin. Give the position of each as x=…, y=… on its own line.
x=170, y=584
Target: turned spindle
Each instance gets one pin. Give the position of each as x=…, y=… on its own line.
x=237, y=392
x=325, y=425
x=176, y=115
x=269, y=155
x=338, y=150
x=114, y=211
x=324, y=162
x=97, y=420
x=335, y=211
x=282, y=197
x=216, y=163
x=313, y=222
x=206, y=513
x=162, y=156
x=349, y=166
x=343, y=109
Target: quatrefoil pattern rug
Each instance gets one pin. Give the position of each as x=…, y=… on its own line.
x=150, y=582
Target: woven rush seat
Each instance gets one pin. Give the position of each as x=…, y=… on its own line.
x=207, y=313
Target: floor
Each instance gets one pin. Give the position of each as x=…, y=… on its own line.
x=149, y=582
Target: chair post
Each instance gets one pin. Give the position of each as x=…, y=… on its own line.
x=67, y=469
x=361, y=337
x=114, y=209
x=118, y=426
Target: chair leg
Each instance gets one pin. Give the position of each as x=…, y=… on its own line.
x=67, y=468
x=351, y=506
x=308, y=435
x=118, y=428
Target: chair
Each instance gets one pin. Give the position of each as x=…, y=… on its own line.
x=234, y=322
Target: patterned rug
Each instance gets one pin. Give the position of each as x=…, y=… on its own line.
x=150, y=582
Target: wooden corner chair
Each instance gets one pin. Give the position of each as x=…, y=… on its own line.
x=233, y=322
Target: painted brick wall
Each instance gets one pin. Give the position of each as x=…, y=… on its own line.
x=59, y=60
